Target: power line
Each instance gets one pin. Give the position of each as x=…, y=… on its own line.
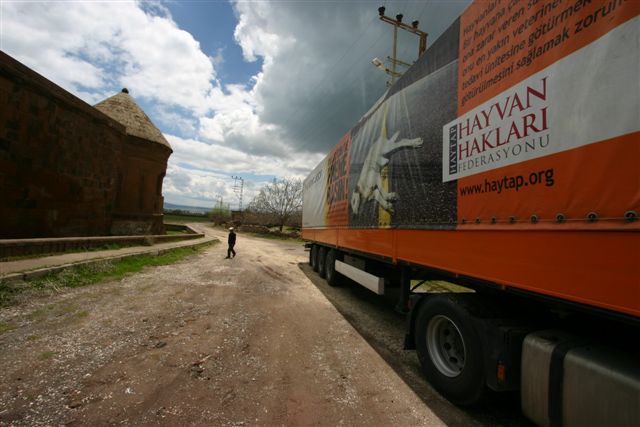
x=320, y=125
x=323, y=124
x=418, y=16
x=345, y=53
x=350, y=67
x=394, y=59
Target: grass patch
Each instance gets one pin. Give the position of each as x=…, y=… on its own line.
x=6, y=327
x=82, y=314
x=66, y=311
x=184, y=218
x=274, y=237
x=46, y=355
x=83, y=275
x=174, y=232
x=105, y=247
x=39, y=313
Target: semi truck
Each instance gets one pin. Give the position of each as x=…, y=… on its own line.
x=494, y=188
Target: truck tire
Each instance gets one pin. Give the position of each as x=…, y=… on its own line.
x=312, y=257
x=450, y=349
x=316, y=255
x=332, y=276
x=320, y=260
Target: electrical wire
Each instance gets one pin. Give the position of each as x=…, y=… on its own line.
x=321, y=125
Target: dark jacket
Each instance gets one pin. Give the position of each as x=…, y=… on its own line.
x=232, y=238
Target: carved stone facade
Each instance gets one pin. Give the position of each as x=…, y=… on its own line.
x=69, y=169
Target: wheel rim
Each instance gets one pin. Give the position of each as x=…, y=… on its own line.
x=446, y=346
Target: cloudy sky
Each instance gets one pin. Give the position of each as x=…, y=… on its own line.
x=254, y=89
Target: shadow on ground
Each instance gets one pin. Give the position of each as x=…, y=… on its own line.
x=375, y=319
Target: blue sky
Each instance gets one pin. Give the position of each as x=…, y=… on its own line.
x=257, y=89
x=212, y=23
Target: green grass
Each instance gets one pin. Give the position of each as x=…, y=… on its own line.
x=105, y=247
x=81, y=314
x=58, y=311
x=275, y=237
x=88, y=274
x=46, y=355
x=184, y=218
x=6, y=327
x=173, y=232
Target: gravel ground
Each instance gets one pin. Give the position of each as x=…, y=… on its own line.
x=376, y=320
x=207, y=341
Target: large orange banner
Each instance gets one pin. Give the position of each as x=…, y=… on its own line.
x=548, y=102
x=505, y=41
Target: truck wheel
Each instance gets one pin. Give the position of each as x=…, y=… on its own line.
x=320, y=260
x=332, y=276
x=312, y=257
x=316, y=255
x=450, y=350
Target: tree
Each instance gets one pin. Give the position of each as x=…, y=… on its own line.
x=220, y=214
x=281, y=199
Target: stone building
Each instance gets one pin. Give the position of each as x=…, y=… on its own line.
x=70, y=169
x=138, y=204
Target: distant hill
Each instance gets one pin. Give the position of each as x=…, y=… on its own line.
x=193, y=209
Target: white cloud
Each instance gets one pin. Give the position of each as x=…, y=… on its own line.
x=316, y=78
x=255, y=34
x=236, y=123
x=195, y=187
x=89, y=45
x=174, y=120
x=198, y=173
x=194, y=154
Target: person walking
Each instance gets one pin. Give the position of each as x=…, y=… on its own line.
x=232, y=242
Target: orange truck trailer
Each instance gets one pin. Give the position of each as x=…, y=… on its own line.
x=504, y=165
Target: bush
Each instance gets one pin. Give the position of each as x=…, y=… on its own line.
x=220, y=215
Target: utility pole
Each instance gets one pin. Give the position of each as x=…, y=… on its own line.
x=398, y=24
x=238, y=188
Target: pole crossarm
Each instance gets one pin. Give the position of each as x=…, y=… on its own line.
x=399, y=24
x=399, y=62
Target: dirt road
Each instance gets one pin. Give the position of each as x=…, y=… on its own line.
x=207, y=341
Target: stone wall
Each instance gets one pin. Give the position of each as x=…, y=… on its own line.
x=62, y=163
x=25, y=247
x=139, y=204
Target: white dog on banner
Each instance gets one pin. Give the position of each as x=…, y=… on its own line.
x=369, y=184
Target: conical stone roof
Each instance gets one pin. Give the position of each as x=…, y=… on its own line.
x=123, y=109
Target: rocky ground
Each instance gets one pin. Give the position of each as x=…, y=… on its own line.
x=207, y=341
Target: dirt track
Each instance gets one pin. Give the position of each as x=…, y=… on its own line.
x=208, y=341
